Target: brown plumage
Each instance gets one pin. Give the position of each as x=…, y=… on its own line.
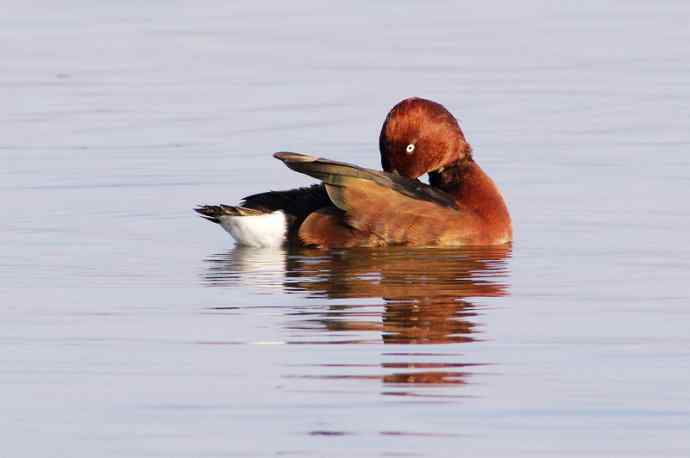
x=356, y=206
x=379, y=209
x=441, y=150
x=433, y=132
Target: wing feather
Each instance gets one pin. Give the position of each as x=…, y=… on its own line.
x=389, y=208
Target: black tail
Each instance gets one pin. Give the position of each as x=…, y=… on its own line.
x=214, y=212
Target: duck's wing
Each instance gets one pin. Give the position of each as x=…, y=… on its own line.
x=389, y=208
x=340, y=174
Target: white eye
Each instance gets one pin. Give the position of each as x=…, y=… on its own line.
x=410, y=148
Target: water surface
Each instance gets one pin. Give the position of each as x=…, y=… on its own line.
x=131, y=327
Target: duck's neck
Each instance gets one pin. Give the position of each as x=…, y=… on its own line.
x=474, y=190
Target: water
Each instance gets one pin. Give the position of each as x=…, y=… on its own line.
x=130, y=327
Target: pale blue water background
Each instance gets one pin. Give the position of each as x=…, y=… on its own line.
x=130, y=327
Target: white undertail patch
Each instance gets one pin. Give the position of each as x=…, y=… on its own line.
x=267, y=230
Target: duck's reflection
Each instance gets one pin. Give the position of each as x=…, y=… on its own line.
x=395, y=296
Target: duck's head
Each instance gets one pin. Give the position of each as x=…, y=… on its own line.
x=420, y=136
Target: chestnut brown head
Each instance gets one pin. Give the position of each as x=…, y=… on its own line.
x=421, y=136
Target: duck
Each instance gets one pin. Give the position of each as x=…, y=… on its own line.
x=354, y=206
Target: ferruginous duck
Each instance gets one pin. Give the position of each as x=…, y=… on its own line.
x=355, y=206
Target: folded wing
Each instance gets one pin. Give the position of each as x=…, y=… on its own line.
x=386, y=208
